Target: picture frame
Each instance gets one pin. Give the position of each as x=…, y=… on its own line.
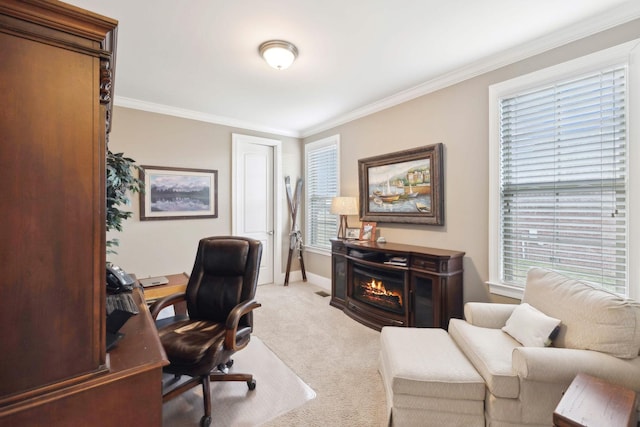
x=352, y=233
x=368, y=231
x=178, y=193
x=403, y=187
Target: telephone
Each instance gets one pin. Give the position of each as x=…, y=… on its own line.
x=118, y=280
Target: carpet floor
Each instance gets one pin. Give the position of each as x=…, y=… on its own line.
x=334, y=354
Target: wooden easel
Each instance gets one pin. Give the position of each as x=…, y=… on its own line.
x=295, y=236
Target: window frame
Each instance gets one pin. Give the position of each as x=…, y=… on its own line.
x=627, y=54
x=333, y=140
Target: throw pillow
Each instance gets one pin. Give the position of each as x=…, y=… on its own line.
x=531, y=327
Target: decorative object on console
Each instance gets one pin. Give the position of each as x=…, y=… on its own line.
x=279, y=54
x=404, y=187
x=178, y=193
x=344, y=206
x=352, y=233
x=368, y=231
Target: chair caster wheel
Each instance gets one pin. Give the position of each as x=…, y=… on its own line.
x=205, y=421
x=251, y=384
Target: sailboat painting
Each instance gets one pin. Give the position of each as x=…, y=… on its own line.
x=403, y=187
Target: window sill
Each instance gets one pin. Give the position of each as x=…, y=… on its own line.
x=505, y=290
x=319, y=251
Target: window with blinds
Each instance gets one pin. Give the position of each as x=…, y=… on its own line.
x=322, y=169
x=563, y=180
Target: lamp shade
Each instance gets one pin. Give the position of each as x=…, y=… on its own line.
x=279, y=54
x=344, y=206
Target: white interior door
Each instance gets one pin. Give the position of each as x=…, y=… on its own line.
x=254, y=197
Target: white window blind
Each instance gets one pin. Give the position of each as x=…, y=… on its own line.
x=563, y=173
x=322, y=186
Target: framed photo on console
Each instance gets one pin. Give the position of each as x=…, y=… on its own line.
x=404, y=187
x=178, y=193
x=368, y=231
x=352, y=233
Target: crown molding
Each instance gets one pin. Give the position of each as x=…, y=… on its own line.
x=605, y=21
x=151, y=107
x=617, y=16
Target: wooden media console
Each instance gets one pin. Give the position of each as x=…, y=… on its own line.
x=380, y=284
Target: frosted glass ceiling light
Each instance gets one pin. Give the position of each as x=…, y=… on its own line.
x=278, y=53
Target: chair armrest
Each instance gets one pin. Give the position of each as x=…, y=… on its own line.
x=561, y=365
x=232, y=323
x=487, y=314
x=163, y=302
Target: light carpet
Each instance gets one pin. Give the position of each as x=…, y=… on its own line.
x=334, y=354
x=278, y=390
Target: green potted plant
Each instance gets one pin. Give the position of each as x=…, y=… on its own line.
x=121, y=182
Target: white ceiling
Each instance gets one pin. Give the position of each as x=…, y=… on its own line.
x=199, y=58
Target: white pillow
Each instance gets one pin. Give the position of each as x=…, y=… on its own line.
x=530, y=326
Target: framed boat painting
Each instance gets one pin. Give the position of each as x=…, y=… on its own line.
x=403, y=187
x=178, y=193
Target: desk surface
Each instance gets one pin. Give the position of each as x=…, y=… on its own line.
x=140, y=347
x=177, y=283
x=591, y=401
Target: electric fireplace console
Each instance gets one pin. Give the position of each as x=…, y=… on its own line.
x=380, y=284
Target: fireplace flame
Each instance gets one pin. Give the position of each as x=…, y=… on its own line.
x=377, y=288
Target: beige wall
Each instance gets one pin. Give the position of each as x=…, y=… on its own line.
x=457, y=116
x=151, y=248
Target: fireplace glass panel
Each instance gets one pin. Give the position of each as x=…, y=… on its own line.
x=340, y=277
x=381, y=289
x=423, y=310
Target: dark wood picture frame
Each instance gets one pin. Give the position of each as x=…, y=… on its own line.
x=403, y=187
x=178, y=193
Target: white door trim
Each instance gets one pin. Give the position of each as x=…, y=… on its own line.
x=278, y=276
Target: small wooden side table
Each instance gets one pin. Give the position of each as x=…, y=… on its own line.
x=591, y=401
x=177, y=283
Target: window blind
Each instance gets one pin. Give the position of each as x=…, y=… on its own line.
x=322, y=186
x=564, y=180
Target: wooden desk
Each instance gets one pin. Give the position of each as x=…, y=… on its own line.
x=127, y=393
x=591, y=401
x=177, y=283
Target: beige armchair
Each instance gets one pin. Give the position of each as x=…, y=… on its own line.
x=599, y=335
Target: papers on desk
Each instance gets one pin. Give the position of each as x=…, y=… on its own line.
x=153, y=281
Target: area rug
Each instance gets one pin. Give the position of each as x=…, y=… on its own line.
x=278, y=390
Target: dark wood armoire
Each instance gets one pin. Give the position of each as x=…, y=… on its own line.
x=56, y=82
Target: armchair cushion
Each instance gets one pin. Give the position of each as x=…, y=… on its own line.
x=530, y=326
x=592, y=318
x=489, y=350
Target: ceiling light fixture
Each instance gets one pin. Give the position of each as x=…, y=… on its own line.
x=279, y=54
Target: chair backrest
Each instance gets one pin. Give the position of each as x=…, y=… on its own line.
x=224, y=274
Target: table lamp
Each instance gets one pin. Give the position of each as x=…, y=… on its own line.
x=344, y=206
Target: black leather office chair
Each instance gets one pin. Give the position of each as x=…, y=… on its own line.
x=220, y=299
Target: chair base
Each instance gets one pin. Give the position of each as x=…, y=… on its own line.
x=205, y=381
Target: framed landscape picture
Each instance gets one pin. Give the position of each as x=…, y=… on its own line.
x=404, y=187
x=178, y=193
